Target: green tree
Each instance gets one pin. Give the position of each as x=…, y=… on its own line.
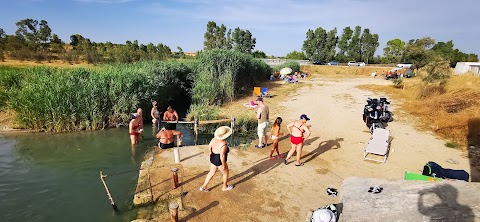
x=344, y=43
x=438, y=71
x=296, y=55
x=216, y=37
x=445, y=50
x=315, y=44
x=259, y=54
x=243, y=40
x=355, y=46
x=417, y=51
x=393, y=52
x=369, y=45
x=180, y=53
x=33, y=31
x=2, y=44
x=331, y=44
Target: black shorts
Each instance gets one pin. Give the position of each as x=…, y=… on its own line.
x=166, y=146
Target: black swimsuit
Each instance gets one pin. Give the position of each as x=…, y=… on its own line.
x=167, y=145
x=215, y=158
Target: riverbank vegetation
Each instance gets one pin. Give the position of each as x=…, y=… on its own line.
x=450, y=108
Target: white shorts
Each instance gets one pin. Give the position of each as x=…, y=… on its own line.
x=262, y=129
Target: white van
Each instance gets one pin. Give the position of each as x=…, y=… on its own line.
x=404, y=65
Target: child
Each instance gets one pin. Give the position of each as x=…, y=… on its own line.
x=275, y=133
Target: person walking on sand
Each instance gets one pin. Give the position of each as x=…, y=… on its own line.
x=134, y=128
x=155, y=114
x=218, y=157
x=171, y=115
x=275, y=134
x=298, y=133
x=262, y=116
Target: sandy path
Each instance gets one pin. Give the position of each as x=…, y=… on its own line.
x=267, y=190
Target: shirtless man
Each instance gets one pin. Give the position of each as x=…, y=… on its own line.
x=140, y=119
x=166, y=136
x=171, y=115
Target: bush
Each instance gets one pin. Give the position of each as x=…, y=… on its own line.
x=295, y=66
x=222, y=74
x=438, y=71
x=398, y=83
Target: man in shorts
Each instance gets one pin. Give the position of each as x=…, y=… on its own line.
x=262, y=116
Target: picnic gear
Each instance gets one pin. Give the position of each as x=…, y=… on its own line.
x=415, y=176
x=378, y=144
x=376, y=113
x=264, y=92
x=435, y=170
x=332, y=192
x=285, y=71
x=257, y=91
x=327, y=213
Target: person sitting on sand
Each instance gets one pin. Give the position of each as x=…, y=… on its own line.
x=298, y=133
x=134, y=128
x=155, y=113
x=166, y=135
x=275, y=134
x=171, y=115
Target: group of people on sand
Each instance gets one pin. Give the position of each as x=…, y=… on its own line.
x=218, y=148
x=165, y=135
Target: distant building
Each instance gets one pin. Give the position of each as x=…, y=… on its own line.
x=464, y=67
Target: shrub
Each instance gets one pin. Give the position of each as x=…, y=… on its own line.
x=295, y=66
x=438, y=71
x=398, y=83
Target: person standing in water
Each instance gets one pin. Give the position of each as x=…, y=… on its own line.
x=218, y=157
x=134, y=128
x=275, y=134
x=140, y=119
x=298, y=133
x=155, y=114
x=171, y=115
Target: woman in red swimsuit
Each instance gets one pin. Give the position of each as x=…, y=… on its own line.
x=298, y=133
x=134, y=128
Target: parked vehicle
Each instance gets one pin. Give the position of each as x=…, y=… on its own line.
x=404, y=65
x=408, y=73
x=352, y=63
x=361, y=64
x=393, y=73
x=318, y=62
x=333, y=63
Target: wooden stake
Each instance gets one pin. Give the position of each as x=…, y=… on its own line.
x=175, y=177
x=174, y=212
x=195, y=129
x=102, y=178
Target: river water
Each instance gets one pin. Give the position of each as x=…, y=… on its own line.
x=56, y=177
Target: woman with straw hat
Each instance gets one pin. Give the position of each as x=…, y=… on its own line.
x=218, y=157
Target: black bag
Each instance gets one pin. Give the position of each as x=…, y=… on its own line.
x=434, y=170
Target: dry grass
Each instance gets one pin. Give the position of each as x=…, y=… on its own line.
x=452, y=111
x=344, y=71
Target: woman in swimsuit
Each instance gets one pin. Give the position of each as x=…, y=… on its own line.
x=218, y=157
x=166, y=136
x=275, y=134
x=298, y=133
x=134, y=128
x=155, y=113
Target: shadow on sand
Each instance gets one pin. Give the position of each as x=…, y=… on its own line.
x=201, y=211
x=323, y=147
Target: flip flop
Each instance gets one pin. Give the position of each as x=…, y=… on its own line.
x=257, y=146
x=301, y=164
x=285, y=161
x=279, y=156
x=229, y=187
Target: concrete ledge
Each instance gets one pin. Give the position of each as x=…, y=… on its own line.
x=409, y=200
x=143, y=192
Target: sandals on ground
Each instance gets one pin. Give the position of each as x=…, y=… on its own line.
x=285, y=161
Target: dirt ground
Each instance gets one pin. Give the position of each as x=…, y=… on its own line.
x=268, y=190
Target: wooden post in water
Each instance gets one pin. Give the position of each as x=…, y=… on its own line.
x=175, y=177
x=102, y=178
x=173, y=212
x=195, y=128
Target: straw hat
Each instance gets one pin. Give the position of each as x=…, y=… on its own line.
x=222, y=132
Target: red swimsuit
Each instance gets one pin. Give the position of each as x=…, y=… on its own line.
x=297, y=140
x=133, y=129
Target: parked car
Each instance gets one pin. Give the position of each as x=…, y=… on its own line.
x=393, y=73
x=404, y=65
x=318, y=62
x=408, y=73
x=352, y=63
x=361, y=64
x=333, y=63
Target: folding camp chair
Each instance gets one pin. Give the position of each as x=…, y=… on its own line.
x=378, y=144
x=257, y=91
x=264, y=92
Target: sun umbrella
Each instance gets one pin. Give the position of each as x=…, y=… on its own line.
x=286, y=71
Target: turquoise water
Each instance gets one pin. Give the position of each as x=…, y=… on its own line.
x=55, y=177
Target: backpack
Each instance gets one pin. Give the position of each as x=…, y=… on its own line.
x=434, y=170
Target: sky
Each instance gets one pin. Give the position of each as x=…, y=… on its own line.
x=279, y=26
